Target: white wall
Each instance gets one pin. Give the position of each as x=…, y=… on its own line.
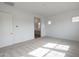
x=62, y=26
x=25, y=23
x=43, y=30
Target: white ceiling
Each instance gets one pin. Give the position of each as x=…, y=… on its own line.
x=47, y=8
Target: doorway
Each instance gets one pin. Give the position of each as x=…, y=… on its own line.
x=37, y=27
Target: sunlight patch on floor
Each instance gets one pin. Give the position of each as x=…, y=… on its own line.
x=56, y=46
x=62, y=47
x=39, y=52
x=46, y=51
x=55, y=54
x=50, y=45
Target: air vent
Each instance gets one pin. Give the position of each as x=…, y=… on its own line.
x=9, y=3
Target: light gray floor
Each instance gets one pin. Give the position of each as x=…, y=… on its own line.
x=42, y=47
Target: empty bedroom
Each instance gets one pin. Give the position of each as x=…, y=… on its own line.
x=39, y=29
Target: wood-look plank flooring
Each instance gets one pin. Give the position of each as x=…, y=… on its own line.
x=25, y=48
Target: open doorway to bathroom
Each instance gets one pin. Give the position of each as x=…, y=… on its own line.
x=37, y=27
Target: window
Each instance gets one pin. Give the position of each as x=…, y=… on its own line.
x=75, y=19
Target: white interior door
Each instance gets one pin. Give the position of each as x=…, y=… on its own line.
x=5, y=29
